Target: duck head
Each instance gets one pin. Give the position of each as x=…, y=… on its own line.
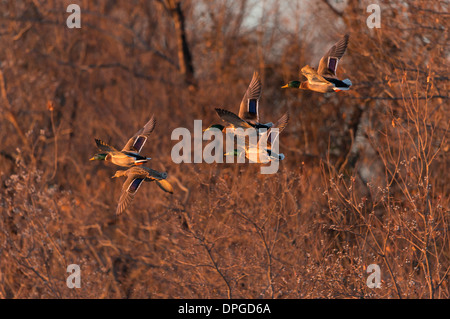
x=119, y=174
x=215, y=126
x=292, y=84
x=233, y=153
x=99, y=157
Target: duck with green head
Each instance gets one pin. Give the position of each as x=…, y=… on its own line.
x=248, y=110
x=296, y=85
x=215, y=127
x=130, y=154
x=99, y=157
x=324, y=80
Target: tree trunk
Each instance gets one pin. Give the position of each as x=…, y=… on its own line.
x=184, y=53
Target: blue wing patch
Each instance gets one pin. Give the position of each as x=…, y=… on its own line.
x=140, y=140
x=134, y=186
x=253, y=106
x=332, y=64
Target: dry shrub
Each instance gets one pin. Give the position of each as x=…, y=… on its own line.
x=364, y=180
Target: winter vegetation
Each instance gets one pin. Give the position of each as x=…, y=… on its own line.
x=364, y=179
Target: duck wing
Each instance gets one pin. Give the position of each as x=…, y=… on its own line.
x=312, y=75
x=271, y=135
x=151, y=174
x=135, y=144
x=329, y=62
x=249, y=108
x=129, y=189
x=165, y=186
x=233, y=119
x=102, y=146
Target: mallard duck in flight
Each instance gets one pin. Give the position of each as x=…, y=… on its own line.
x=324, y=79
x=135, y=176
x=248, y=109
x=262, y=151
x=129, y=155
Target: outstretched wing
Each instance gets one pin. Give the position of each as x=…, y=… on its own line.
x=312, y=75
x=136, y=143
x=165, y=186
x=102, y=146
x=271, y=135
x=280, y=125
x=233, y=119
x=249, y=108
x=150, y=174
x=129, y=189
x=329, y=62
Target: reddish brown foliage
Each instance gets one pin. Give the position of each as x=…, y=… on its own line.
x=365, y=179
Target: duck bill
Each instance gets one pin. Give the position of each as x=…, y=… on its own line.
x=92, y=159
x=285, y=86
